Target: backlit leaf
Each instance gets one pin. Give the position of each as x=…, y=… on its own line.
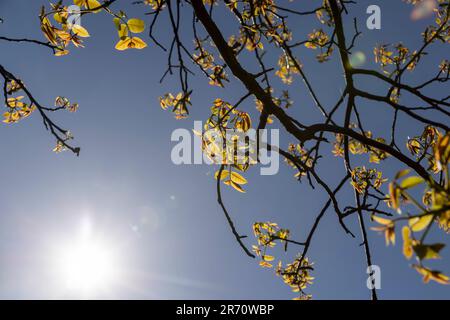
x=411, y=182
x=407, y=243
x=419, y=223
x=382, y=221
x=237, y=178
x=428, y=251
x=234, y=185
x=80, y=31
x=223, y=174
x=136, y=25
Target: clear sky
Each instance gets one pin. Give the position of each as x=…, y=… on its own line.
x=170, y=238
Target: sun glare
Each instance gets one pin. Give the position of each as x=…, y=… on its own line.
x=87, y=265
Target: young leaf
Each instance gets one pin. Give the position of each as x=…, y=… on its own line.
x=268, y=258
x=117, y=23
x=138, y=43
x=136, y=25
x=428, y=251
x=411, y=182
x=382, y=221
x=407, y=243
x=434, y=275
x=401, y=174
x=80, y=31
x=237, y=178
x=123, y=31
x=234, y=185
x=265, y=264
x=223, y=174
x=419, y=223
x=123, y=44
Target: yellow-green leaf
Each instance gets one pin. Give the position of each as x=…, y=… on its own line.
x=402, y=173
x=434, y=275
x=136, y=25
x=237, y=178
x=58, y=18
x=382, y=221
x=123, y=31
x=407, y=243
x=123, y=44
x=138, y=43
x=234, y=185
x=223, y=174
x=268, y=258
x=80, y=31
x=117, y=23
x=60, y=53
x=92, y=4
x=419, y=223
x=265, y=264
x=428, y=251
x=411, y=182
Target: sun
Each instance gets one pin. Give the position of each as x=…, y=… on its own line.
x=87, y=265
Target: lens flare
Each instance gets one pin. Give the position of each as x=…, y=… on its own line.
x=423, y=9
x=357, y=59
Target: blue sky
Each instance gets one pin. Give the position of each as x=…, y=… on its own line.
x=163, y=220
